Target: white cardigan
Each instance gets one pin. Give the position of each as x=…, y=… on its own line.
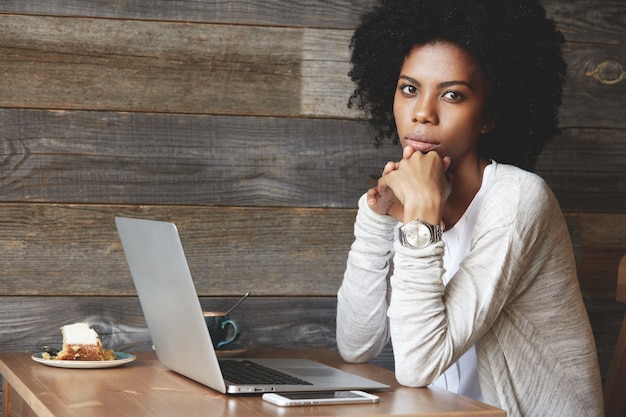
x=515, y=296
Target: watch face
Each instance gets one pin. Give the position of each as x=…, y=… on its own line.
x=418, y=235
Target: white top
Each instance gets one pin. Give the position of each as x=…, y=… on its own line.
x=515, y=297
x=462, y=376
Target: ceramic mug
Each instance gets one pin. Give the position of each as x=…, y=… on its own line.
x=223, y=330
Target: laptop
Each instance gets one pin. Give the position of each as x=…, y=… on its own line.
x=174, y=317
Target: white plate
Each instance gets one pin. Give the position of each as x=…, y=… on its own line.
x=120, y=359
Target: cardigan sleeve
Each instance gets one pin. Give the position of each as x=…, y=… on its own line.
x=362, y=327
x=432, y=325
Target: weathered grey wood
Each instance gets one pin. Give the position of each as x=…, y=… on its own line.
x=595, y=21
x=599, y=244
x=104, y=64
x=74, y=249
x=178, y=67
x=590, y=20
x=316, y=13
x=585, y=169
x=606, y=319
x=138, y=158
x=595, y=73
x=66, y=63
x=30, y=322
x=280, y=322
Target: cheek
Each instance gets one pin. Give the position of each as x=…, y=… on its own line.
x=396, y=109
x=468, y=122
x=401, y=114
x=402, y=128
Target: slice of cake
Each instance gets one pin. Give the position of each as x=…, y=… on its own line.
x=80, y=343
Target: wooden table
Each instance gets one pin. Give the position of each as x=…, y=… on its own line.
x=145, y=388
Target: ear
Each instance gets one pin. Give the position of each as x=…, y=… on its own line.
x=488, y=125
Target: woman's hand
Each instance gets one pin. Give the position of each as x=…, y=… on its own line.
x=381, y=199
x=416, y=187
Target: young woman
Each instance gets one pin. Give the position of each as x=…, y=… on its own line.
x=462, y=256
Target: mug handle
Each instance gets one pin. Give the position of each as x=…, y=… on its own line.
x=235, y=335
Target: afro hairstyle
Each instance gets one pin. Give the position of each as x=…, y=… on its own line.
x=518, y=49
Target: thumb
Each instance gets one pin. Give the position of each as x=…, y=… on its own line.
x=407, y=152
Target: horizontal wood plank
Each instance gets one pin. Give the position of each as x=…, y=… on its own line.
x=595, y=74
x=583, y=20
x=135, y=158
x=31, y=322
x=75, y=250
x=593, y=21
x=585, y=169
x=312, y=13
x=65, y=63
x=606, y=319
x=599, y=244
x=266, y=322
x=148, y=66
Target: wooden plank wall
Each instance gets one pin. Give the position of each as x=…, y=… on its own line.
x=230, y=119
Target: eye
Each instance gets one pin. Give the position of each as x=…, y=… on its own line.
x=407, y=89
x=453, y=96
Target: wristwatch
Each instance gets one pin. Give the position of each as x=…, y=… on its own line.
x=418, y=234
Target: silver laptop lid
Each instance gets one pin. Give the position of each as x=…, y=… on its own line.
x=169, y=300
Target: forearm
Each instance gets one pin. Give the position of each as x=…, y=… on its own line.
x=362, y=330
x=417, y=315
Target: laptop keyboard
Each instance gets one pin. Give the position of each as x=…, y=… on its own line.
x=247, y=372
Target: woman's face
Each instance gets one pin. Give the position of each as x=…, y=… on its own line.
x=440, y=101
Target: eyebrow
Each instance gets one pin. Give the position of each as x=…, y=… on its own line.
x=441, y=85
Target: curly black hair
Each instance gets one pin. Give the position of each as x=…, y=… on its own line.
x=518, y=49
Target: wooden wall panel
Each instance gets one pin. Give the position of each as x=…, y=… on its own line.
x=103, y=64
x=75, y=249
x=53, y=249
x=592, y=21
x=312, y=13
x=140, y=158
x=29, y=323
x=585, y=169
x=265, y=321
x=598, y=241
x=65, y=63
x=595, y=86
x=597, y=21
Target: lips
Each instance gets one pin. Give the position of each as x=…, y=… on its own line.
x=421, y=143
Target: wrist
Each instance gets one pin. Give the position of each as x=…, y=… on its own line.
x=429, y=212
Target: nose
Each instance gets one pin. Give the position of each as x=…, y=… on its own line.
x=425, y=110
